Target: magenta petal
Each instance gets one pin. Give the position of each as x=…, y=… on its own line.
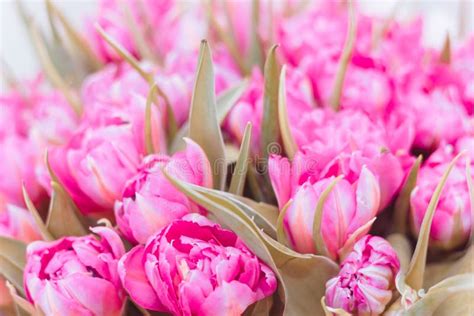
x=97, y=295
x=134, y=280
x=228, y=299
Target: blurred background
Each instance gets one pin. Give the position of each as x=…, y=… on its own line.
x=442, y=16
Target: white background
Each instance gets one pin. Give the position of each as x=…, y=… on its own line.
x=17, y=52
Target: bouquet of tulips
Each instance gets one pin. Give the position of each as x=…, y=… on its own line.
x=237, y=158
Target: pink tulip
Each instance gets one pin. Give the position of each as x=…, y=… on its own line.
x=365, y=89
x=434, y=115
x=53, y=121
x=462, y=66
x=149, y=202
x=195, y=267
x=451, y=224
x=366, y=279
x=112, y=18
x=76, y=275
x=114, y=85
x=346, y=213
x=12, y=115
x=19, y=158
x=18, y=223
x=96, y=163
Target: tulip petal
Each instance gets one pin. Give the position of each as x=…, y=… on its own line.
x=135, y=282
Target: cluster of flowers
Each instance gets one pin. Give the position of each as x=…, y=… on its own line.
x=363, y=96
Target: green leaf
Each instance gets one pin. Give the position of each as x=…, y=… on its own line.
x=22, y=306
x=124, y=54
x=353, y=238
x=402, y=204
x=445, y=55
x=344, y=59
x=268, y=211
x=240, y=171
x=64, y=219
x=225, y=36
x=289, y=142
x=260, y=308
x=270, y=129
x=139, y=38
x=225, y=101
x=263, y=220
x=280, y=229
x=52, y=72
x=319, y=243
x=441, y=292
x=204, y=127
x=255, y=51
x=150, y=148
x=75, y=37
x=12, y=261
x=45, y=234
x=415, y=274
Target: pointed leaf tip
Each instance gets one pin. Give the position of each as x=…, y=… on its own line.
x=240, y=171
x=204, y=127
x=402, y=204
x=344, y=59
x=415, y=275
x=319, y=244
x=289, y=142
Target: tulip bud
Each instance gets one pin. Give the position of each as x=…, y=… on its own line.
x=76, y=275
x=347, y=213
x=149, y=202
x=18, y=223
x=195, y=267
x=451, y=224
x=95, y=164
x=366, y=279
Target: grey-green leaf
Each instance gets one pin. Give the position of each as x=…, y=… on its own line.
x=240, y=171
x=415, y=274
x=225, y=101
x=270, y=127
x=204, y=127
x=64, y=219
x=402, y=204
x=45, y=234
x=289, y=142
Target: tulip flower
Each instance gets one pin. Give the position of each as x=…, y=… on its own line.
x=347, y=213
x=95, y=165
x=195, y=267
x=149, y=202
x=435, y=114
x=452, y=221
x=462, y=60
x=76, y=275
x=19, y=158
x=54, y=121
x=366, y=279
x=18, y=223
x=286, y=177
